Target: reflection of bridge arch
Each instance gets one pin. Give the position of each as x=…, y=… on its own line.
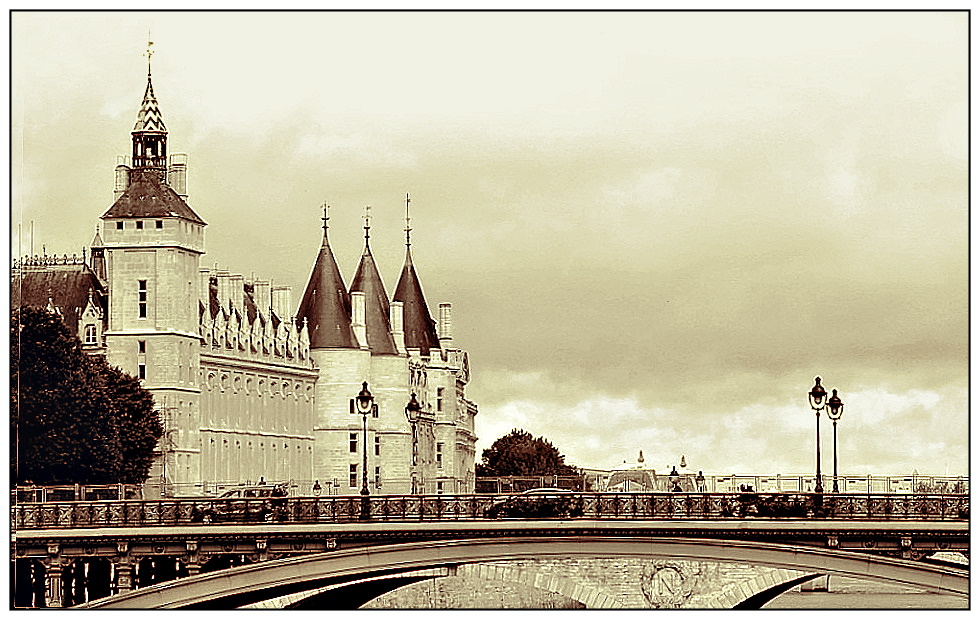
x=246, y=584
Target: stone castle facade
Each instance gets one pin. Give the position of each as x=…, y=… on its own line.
x=249, y=387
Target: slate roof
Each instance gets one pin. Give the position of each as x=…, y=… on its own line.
x=149, y=118
x=148, y=197
x=376, y=306
x=420, y=329
x=326, y=304
x=67, y=286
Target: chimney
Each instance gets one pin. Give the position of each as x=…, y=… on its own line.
x=282, y=302
x=122, y=177
x=224, y=288
x=263, y=296
x=236, y=292
x=204, y=281
x=445, y=324
x=397, y=325
x=358, y=317
x=177, y=175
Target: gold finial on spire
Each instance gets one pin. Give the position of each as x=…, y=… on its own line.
x=408, y=222
x=149, y=52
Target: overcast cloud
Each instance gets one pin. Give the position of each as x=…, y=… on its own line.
x=655, y=228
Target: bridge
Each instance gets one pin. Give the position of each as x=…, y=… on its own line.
x=168, y=554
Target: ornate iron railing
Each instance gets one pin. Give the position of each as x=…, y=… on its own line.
x=407, y=508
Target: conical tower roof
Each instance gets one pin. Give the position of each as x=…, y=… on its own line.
x=149, y=118
x=420, y=329
x=326, y=303
x=376, y=307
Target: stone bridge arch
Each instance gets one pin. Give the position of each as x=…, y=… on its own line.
x=243, y=585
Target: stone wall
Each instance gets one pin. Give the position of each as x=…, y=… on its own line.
x=595, y=583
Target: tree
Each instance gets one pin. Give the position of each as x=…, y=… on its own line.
x=138, y=424
x=74, y=419
x=518, y=453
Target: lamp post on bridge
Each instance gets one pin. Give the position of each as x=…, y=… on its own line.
x=835, y=409
x=412, y=410
x=819, y=402
x=365, y=405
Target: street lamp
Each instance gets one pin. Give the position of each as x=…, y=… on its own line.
x=365, y=405
x=412, y=410
x=817, y=403
x=835, y=409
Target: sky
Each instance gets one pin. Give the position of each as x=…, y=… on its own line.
x=655, y=228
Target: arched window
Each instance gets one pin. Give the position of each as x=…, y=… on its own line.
x=91, y=337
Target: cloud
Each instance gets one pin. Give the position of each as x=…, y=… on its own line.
x=654, y=227
x=881, y=432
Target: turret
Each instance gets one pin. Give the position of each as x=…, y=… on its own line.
x=367, y=280
x=418, y=326
x=326, y=304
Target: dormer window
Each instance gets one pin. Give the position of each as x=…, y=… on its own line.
x=91, y=337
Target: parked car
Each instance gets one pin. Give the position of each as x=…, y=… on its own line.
x=537, y=504
x=247, y=503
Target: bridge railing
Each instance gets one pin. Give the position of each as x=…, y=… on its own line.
x=401, y=508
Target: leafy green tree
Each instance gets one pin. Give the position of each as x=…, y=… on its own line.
x=74, y=419
x=518, y=453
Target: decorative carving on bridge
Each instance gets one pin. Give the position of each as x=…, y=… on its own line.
x=668, y=585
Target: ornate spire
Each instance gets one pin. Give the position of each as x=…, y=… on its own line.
x=148, y=53
x=326, y=220
x=149, y=133
x=367, y=227
x=408, y=222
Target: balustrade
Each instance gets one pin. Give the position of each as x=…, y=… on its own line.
x=401, y=508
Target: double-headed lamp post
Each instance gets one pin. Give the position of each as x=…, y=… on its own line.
x=365, y=405
x=819, y=401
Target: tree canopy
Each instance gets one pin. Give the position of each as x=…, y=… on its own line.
x=518, y=453
x=74, y=418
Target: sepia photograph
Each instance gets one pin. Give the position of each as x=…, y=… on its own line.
x=349, y=309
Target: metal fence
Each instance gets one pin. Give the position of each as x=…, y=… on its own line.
x=408, y=508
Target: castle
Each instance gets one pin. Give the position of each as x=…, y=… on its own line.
x=249, y=389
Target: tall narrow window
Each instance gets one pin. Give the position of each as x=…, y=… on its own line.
x=439, y=393
x=141, y=346
x=141, y=370
x=439, y=454
x=142, y=298
x=90, y=336
x=377, y=446
x=353, y=475
x=353, y=442
x=377, y=477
